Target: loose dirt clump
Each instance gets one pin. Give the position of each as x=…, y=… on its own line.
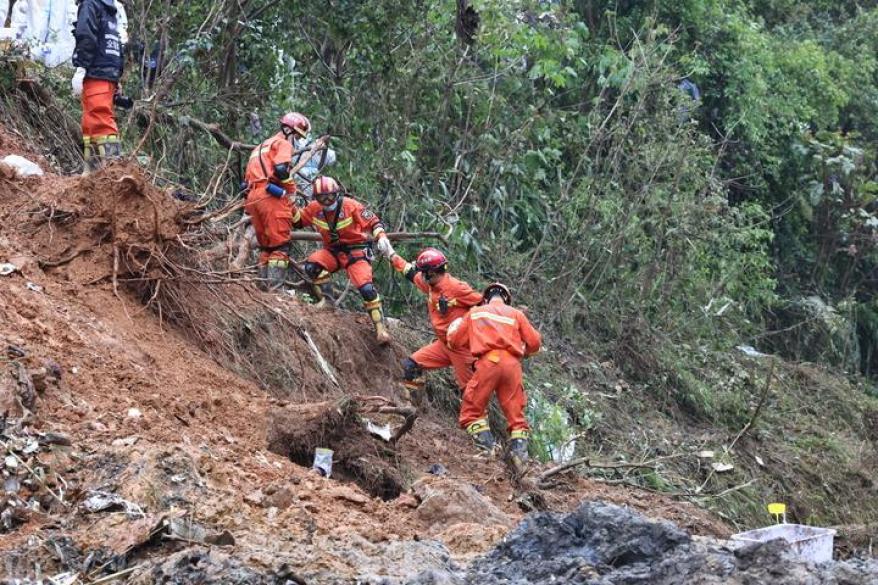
x=296, y=431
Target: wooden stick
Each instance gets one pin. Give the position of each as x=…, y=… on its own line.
x=393, y=236
x=587, y=462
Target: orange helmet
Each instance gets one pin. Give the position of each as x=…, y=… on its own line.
x=431, y=260
x=294, y=122
x=497, y=288
x=324, y=185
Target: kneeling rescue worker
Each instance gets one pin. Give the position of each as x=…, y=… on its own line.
x=447, y=299
x=269, y=201
x=348, y=230
x=499, y=336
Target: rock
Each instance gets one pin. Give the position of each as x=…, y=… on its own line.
x=471, y=538
x=255, y=498
x=407, y=501
x=281, y=499
x=348, y=494
x=224, y=538
x=445, y=502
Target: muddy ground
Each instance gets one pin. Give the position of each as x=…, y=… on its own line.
x=161, y=384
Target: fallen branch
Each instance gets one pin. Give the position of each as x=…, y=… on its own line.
x=392, y=236
x=588, y=463
x=64, y=260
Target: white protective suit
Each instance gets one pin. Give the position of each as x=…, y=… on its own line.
x=46, y=26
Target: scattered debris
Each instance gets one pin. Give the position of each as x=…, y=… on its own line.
x=99, y=501
x=750, y=351
x=34, y=287
x=379, y=431
x=29, y=485
x=720, y=467
x=437, y=469
x=6, y=269
x=323, y=461
x=19, y=167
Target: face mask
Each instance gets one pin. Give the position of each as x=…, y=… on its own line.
x=331, y=207
x=301, y=143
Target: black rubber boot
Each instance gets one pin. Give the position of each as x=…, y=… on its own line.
x=484, y=440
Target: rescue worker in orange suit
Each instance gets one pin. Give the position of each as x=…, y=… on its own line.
x=447, y=299
x=348, y=231
x=98, y=61
x=269, y=199
x=499, y=337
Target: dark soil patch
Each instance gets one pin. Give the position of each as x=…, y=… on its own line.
x=296, y=431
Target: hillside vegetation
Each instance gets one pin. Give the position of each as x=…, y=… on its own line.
x=561, y=145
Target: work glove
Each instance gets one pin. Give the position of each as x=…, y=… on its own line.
x=385, y=247
x=76, y=82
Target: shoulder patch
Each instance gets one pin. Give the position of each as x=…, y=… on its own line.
x=367, y=214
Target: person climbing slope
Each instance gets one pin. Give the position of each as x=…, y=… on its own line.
x=447, y=299
x=499, y=337
x=348, y=230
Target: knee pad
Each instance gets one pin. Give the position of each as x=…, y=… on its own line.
x=312, y=269
x=369, y=292
x=411, y=370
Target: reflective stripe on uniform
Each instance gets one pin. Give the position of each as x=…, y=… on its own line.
x=339, y=226
x=492, y=317
x=478, y=426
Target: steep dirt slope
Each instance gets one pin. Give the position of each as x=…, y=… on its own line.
x=176, y=430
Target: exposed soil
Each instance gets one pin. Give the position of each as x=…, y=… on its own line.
x=170, y=401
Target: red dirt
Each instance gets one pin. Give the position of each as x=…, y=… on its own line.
x=200, y=442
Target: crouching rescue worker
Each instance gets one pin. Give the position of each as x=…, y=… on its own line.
x=348, y=231
x=447, y=299
x=98, y=61
x=269, y=204
x=499, y=336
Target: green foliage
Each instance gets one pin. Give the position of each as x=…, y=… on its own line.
x=558, y=149
x=552, y=412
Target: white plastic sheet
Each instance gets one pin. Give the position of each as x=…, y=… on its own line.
x=21, y=166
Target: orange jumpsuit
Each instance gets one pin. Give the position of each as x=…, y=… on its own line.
x=347, y=234
x=499, y=336
x=98, y=117
x=458, y=297
x=272, y=217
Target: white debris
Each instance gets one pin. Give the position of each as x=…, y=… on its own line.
x=705, y=454
x=6, y=269
x=21, y=166
x=722, y=467
x=750, y=351
x=134, y=413
x=383, y=431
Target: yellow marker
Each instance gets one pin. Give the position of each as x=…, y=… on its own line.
x=778, y=510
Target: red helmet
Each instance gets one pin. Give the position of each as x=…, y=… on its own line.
x=324, y=185
x=497, y=288
x=295, y=122
x=431, y=260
